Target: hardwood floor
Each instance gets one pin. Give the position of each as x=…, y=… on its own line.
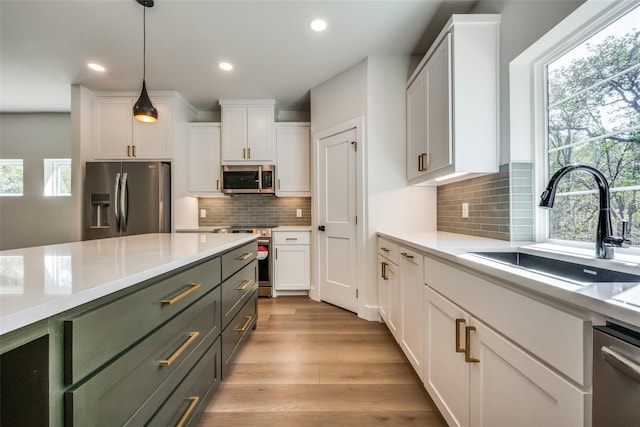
x=312, y=364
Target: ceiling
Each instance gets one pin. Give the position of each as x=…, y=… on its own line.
x=45, y=46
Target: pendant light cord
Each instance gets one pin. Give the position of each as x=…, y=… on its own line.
x=144, y=43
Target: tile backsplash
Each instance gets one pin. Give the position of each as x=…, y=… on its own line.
x=488, y=199
x=254, y=210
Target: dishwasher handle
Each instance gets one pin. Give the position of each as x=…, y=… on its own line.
x=621, y=363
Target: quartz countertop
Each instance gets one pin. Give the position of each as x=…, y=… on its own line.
x=40, y=282
x=456, y=248
x=292, y=228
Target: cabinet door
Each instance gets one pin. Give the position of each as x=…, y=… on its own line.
x=234, y=133
x=416, y=126
x=292, y=161
x=292, y=268
x=438, y=89
x=204, y=159
x=383, y=289
x=112, y=127
x=154, y=140
x=446, y=374
x=510, y=388
x=411, y=297
x=394, y=322
x=260, y=134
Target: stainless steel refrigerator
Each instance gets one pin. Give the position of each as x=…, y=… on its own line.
x=126, y=198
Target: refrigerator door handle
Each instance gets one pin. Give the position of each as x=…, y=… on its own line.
x=124, y=202
x=116, y=197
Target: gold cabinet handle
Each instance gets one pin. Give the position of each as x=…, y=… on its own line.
x=467, y=343
x=276, y=253
x=406, y=255
x=134, y=151
x=459, y=322
x=248, y=153
x=244, y=284
x=244, y=153
x=244, y=256
x=194, y=287
x=245, y=325
x=292, y=238
x=128, y=151
x=187, y=414
x=217, y=184
x=192, y=337
x=384, y=271
x=278, y=183
x=424, y=161
x=384, y=249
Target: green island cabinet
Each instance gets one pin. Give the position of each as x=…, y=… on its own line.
x=152, y=354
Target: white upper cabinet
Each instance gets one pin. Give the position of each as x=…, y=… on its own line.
x=452, y=103
x=247, y=131
x=204, y=158
x=117, y=135
x=292, y=159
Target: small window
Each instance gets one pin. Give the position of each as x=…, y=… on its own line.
x=57, y=177
x=11, y=177
x=593, y=118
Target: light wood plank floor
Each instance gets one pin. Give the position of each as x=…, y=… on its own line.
x=312, y=364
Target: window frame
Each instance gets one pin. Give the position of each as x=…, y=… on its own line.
x=13, y=162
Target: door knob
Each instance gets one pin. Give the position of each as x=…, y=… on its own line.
x=321, y=227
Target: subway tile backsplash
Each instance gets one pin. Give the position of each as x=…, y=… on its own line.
x=254, y=210
x=488, y=199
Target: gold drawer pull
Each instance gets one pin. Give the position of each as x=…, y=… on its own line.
x=406, y=255
x=192, y=337
x=384, y=271
x=245, y=325
x=459, y=322
x=292, y=238
x=244, y=256
x=187, y=414
x=244, y=284
x=467, y=342
x=178, y=297
x=384, y=249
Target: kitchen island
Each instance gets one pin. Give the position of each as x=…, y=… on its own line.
x=122, y=326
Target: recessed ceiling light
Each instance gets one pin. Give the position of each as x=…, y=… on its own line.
x=318, y=25
x=95, y=67
x=225, y=66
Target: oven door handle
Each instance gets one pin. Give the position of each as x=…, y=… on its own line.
x=621, y=363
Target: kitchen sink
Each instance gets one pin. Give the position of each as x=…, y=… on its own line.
x=563, y=270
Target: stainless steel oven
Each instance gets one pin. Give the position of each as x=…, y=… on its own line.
x=616, y=376
x=265, y=288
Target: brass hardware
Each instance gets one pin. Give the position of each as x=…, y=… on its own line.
x=194, y=287
x=292, y=238
x=134, y=151
x=128, y=151
x=278, y=183
x=467, y=342
x=419, y=163
x=424, y=161
x=217, y=184
x=244, y=284
x=187, y=414
x=244, y=153
x=276, y=253
x=384, y=271
x=406, y=255
x=248, y=153
x=192, y=337
x=244, y=256
x=247, y=321
x=384, y=249
x=458, y=323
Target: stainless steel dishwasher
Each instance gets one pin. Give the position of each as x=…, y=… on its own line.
x=616, y=376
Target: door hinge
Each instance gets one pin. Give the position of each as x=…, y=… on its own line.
x=356, y=293
x=355, y=145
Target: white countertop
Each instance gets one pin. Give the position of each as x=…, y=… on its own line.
x=40, y=282
x=292, y=228
x=624, y=306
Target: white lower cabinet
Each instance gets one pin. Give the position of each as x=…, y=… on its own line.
x=292, y=263
x=411, y=280
x=477, y=377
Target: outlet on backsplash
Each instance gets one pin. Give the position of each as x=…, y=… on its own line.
x=299, y=213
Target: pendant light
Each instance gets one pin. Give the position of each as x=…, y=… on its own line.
x=143, y=109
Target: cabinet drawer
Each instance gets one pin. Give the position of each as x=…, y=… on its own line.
x=95, y=336
x=388, y=250
x=292, y=237
x=238, y=258
x=237, y=331
x=115, y=393
x=237, y=289
x=189, y=399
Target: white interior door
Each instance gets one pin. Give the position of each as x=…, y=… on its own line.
x=337, y=216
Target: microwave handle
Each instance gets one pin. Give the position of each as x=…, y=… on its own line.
x=260, y=178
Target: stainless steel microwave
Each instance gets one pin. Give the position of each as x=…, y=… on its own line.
x=248, y=179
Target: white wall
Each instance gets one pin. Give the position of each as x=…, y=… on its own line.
x=33, y=219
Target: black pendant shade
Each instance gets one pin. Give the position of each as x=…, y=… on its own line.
x=143, y=109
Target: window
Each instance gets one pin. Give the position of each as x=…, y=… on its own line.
x=593, y=118
x=57, y=177
x=11, y=177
